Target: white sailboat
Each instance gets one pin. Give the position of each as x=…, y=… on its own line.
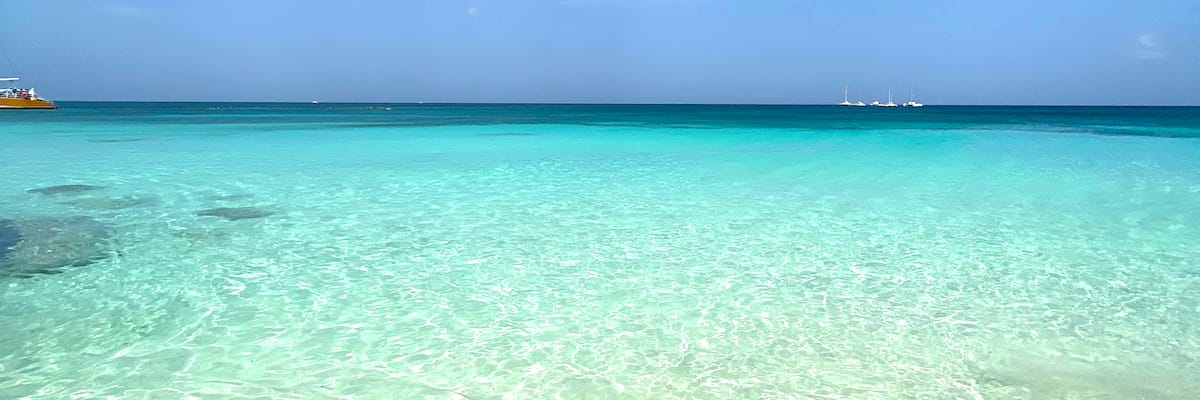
x=846, y=97
x=912, y=100
x=889, y=103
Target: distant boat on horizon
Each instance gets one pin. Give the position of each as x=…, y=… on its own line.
x=912, y=100
x=17, y=98
x=889, y=103
x=846, y=99
x=316, y=102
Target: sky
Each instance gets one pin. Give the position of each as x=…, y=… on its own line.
x=1096, y=52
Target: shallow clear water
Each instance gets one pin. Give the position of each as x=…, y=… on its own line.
x=643, y=252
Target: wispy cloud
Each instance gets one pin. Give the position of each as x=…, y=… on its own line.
x=472, y=11
x=1149, y=47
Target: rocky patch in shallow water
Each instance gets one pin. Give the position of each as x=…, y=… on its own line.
x=8, y=238
x=64, y=190
x=235, y=213
x=47, y=245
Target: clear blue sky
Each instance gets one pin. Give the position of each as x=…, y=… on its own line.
x=642, y=51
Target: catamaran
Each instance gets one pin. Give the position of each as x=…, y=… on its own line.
x=888, y=104
x=14, y=97
x=846, y=97
x=912, y=100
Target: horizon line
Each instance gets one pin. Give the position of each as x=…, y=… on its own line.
x=603, y=103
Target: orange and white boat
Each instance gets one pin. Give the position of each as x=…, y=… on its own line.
x=14, y=97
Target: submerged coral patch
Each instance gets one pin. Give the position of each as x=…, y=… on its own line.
x=9, y=236
x=46, y=245
x=65, y=189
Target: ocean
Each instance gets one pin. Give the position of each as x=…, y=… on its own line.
x=438, y=251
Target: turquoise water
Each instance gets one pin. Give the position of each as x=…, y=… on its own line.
x=641, y=252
